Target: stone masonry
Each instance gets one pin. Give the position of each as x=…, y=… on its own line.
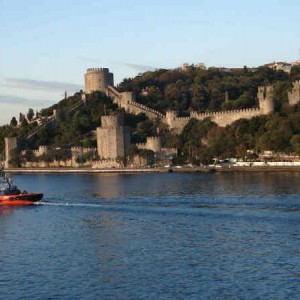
x=127, y=101
x=294, y=94
x=98, y=79
x=113, y=138
x=224, y=118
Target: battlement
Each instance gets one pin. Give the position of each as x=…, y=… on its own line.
x=112, y=121
x=196, y=115
x=106, y=163
x=141, y=145
x=98, y=79
x=93, y=70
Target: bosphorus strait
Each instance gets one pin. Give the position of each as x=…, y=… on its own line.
x=153, y=236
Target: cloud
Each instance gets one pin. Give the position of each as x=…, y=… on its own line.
x=50, y=86
x=139, y=68
x=17, y=100
x=136, y=67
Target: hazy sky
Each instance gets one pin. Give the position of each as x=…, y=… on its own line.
x=46, y=46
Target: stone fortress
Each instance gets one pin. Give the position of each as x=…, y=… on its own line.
x=113, y=138
x=101, y=80
x=127, y=101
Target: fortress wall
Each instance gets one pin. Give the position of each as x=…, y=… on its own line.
x=79, y=151
x=141, y=145
x=137, y=108
x=42, y=150
x=106, y=163
x=138, y=161
x=294, y=94
x=127, y=97
x=113, y=92
x=222, y=118
x=153, y=143
x=106, y=142
x=175, y=123
x=169, y=151
x=225, y=118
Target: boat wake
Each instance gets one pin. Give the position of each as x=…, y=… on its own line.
x=68, y=204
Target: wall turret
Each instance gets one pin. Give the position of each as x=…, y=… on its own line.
x=265, y=98
x=154, y=143
x=171, y=118
x=294, y=94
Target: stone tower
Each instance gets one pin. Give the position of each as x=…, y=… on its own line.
x=265, y=98
x=154, y=143
x=11, y=149
x=294, y=94
x=113, y=138
x=97, y=80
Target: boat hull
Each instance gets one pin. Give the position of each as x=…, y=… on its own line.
x=20, y=199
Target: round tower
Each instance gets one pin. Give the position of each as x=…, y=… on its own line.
x=97, y=80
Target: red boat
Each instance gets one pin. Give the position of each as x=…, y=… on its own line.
x=11, y=195
x=20, y=199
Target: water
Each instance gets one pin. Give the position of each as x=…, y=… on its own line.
x=153, y=236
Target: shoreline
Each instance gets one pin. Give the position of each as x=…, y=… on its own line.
x=204, y=170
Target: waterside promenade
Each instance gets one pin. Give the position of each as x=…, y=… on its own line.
x=158, y=170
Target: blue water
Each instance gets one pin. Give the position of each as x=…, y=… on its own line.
x=153, y=236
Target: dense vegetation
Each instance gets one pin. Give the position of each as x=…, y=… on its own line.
x=182, y=91
x=75, y=128
x=203, y=140
x=206, y=90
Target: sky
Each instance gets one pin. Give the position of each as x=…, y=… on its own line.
x=46, y=46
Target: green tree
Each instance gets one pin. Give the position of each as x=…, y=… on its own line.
x=30, y=114
x=13, y=122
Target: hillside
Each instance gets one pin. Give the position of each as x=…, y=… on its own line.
x=201, y=90
x=183, y=91
x=75, y=128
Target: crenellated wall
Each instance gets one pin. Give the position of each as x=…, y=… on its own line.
x=294, y=94
x=224, y=118
x=80, y=151
x=106, y=163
